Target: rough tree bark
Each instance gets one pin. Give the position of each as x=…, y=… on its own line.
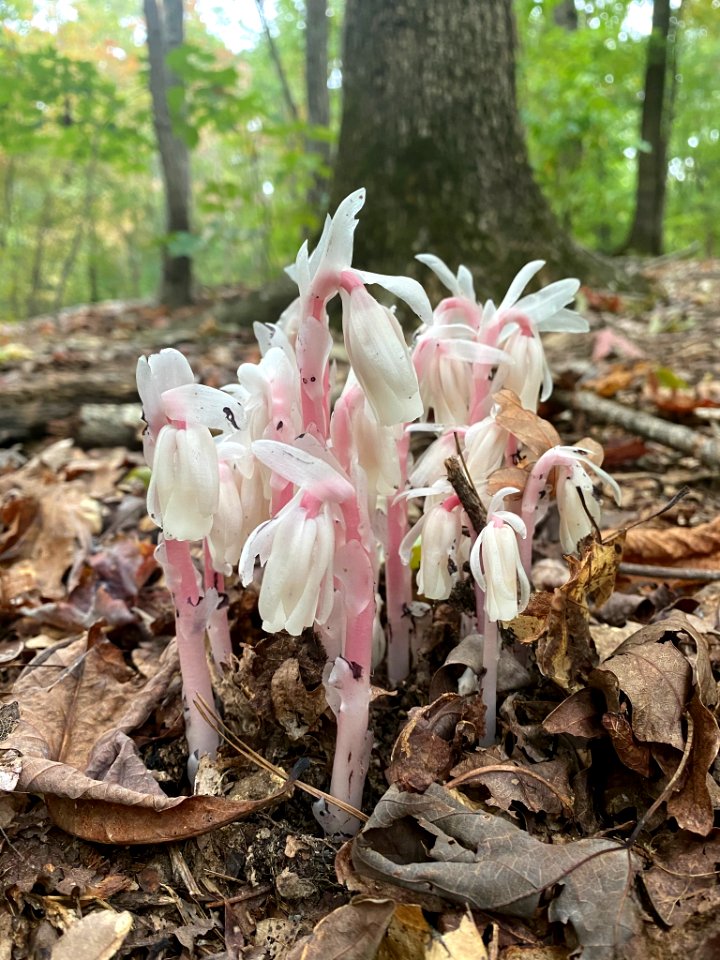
x=646, y=233
x=318, y=96
x=430, y=126
x=164, y=20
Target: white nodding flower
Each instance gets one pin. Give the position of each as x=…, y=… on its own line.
x=495, y=562
x=184, y=488
x=577, y=503
x=441, y=547
x=297, y=549
x=380, y=358
x=155, y=374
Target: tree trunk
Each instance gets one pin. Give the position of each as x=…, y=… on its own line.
x=318, y=96
x=164, y=20
x=430, y=126
x=646, y=234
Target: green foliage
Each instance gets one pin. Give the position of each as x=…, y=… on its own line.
x=581, y=97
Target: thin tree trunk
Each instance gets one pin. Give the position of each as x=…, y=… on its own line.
x=164, y=20
x=8, y=191
x=318, y=95
x=39, y=254
x=277, y=60
x=646, y=233
x=85, y=218
x=430, y=126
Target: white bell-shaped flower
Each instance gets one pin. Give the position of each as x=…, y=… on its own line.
x=495, y=562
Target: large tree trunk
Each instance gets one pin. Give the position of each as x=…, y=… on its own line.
x=318, y=96
x=430, y=126
x=164, y=20
x=646, y=234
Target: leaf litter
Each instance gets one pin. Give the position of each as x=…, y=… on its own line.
x=589, y=826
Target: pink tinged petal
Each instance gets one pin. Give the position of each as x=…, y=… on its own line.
x=405, y=288
x=197, y=404
x=380, y=358
x=473, y=352
x=304, y=470
x=521, y=280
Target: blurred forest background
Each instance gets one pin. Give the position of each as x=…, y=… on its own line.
x=82, y=196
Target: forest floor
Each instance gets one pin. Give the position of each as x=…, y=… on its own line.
x=593, y=818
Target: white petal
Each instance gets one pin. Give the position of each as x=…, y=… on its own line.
x=303, y=469
x=441, y=271
x=465, y=282
x=564, y=321
x=338, y=255
x=198, y=404
x=517, y=286
x=406, y=289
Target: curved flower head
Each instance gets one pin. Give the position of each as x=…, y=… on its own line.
x=441, y=555
x=495, y=562
x=578, y=506
x=485, y=445
x=296, y=548
x=380, y=358
x=154, y=375
x=184, y=487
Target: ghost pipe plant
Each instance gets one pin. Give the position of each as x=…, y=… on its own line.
x=265, y=471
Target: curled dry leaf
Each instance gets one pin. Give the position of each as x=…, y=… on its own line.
x=559, y=624
x=296, y=708
x=432, y=842
x=98, y=936
x=676, y=546
x=77, y=703
x=430, y=743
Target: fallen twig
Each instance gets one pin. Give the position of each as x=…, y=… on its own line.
x=668, y=573
x=673, y=435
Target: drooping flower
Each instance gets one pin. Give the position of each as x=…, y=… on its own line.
x=441, y=546
x=296, y=548
x=495, y=561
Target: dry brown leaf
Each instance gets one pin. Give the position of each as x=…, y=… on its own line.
x=433, y=842
x=465, y=942
x=692, y=802
x=676, y=546
x=579, y=715
x=407, y=935
x=77, y=703
x=534, y=434
x=565, y=651
x=429, y=744
x=683, y=878
x=296, y=708
x=352, y=932
x=98, y=936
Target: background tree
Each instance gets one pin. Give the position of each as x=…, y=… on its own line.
x=318, y=95
x=430, y=126
x=646, y=233
x=165, y=33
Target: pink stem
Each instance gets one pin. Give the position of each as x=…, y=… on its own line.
x=218, y=627
x=398, y=580
x=491, y=655
x=190, y=623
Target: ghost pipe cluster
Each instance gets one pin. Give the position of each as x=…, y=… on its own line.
x=265, y=470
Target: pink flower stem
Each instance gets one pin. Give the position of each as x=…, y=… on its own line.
x=491, y=653
x=535, y=490
x=398, y=580
x=190, y=623
x=218, y=627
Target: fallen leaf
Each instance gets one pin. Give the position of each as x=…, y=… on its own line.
x=352, y=932
x=408, y=934
x=98, y=936
x=296, y=708
x=676, y=546
x=565, y=650
x=683, y=879
x=429, y=744
x=432, y=842
x=463, y=943
x=692, y=801
x=534, y=434
x=77, y=702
